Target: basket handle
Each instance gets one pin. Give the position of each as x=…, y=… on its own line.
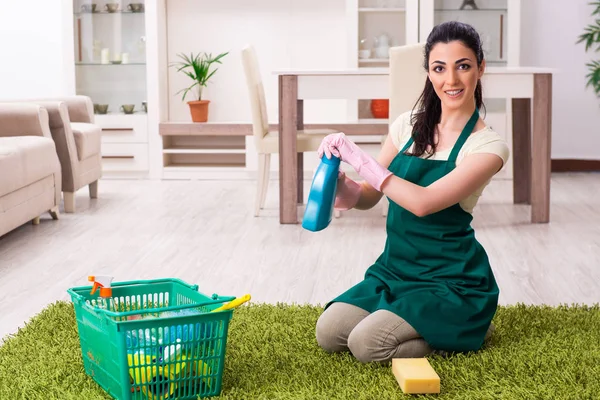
x=217, y=300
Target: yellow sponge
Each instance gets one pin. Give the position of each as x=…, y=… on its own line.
x=415, y=375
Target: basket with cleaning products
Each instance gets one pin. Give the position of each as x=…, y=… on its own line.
x=153, y=339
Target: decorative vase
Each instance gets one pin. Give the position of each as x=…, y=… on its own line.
x=199, y=110
x=380, y=108
x=469, y=3
x=382, y=46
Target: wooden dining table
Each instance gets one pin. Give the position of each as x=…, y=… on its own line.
x=528, y=88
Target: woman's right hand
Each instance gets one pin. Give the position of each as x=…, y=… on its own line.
x=347, y=193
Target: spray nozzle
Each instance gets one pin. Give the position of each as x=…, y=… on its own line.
x=102, y=282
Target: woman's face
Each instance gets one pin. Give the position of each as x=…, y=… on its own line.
x=454, y=73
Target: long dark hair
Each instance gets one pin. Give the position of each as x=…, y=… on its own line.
x=429, y=106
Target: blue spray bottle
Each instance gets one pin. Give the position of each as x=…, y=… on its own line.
x=319, y=208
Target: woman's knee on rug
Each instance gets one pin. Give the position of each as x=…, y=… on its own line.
x=335, y=324
x=382, y=336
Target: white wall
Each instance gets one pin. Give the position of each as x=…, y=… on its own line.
x=307, y=34
x=36, y=51
x=37, y=54
x=550, y=30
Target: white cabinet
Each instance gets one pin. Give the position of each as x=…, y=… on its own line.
x=124, y=160
x=411, y=21
x=110, y=67
x=497, y=21
x=375, y=25
x=124, y=145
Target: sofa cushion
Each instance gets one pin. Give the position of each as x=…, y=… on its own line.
x=24, y=160
x=87, y=139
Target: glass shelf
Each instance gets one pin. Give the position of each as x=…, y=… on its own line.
x=382, y=9
x=121, y=114
x=471, y=10
x=98, y=41
x=490, y=20
x=106, y=12
x=110, y=64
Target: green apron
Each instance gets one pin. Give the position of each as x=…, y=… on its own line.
x=433, y=272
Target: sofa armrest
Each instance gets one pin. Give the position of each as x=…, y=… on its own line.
x=21, y=119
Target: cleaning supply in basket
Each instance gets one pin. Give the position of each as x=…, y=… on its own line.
x=319, y=208
x=102, y=282
x=168, y=339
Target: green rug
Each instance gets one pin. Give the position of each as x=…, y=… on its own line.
x=535, y=353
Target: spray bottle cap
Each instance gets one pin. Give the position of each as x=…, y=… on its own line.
x=103, y=282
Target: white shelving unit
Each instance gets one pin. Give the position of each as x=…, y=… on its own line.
x=111, y=68
x=200, y=150
x=367, y=22
x=498, y=22
x=368, y=19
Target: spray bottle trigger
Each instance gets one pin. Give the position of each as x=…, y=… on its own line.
x=95, y=287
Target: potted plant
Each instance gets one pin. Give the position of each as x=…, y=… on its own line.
x=591, y=37
x=198, y=68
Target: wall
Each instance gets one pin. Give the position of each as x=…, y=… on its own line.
x=308, y=34
x=37, y=51
x=576, y=110
x=37, y=54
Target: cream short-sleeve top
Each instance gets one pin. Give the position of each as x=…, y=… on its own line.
x=484, y=140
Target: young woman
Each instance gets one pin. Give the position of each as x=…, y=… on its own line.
x=432, y=288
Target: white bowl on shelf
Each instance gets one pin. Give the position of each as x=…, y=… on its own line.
x=364, y=54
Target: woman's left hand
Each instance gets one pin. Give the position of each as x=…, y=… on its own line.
x=346, y=150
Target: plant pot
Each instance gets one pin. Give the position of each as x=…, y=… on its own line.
x=380, y=108
x=199, y=110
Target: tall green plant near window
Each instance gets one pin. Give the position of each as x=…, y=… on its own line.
x=591, y=37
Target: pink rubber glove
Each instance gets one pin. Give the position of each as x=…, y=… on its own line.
x=347, y=193
x=366, y=166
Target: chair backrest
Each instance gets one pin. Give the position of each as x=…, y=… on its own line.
x=407, y=78
x=256, y=92
x=66, y=148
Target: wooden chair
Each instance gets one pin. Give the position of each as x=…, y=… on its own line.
x=267, y=142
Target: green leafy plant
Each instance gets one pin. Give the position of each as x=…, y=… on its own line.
x=591, y=37
x=198, y=68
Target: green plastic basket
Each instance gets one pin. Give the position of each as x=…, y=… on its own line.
x=153, y=339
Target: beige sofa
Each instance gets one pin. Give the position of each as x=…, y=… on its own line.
x=30, y=176
x=78, y=143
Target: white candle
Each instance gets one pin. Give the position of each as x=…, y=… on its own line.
x=125, y=58
x=105, y=56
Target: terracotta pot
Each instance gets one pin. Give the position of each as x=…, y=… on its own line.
x=380, y=108
x=199, y=110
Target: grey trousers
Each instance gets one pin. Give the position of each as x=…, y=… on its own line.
x=378, y=336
